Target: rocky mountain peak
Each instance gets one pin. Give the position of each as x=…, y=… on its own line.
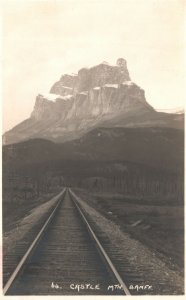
x=101, y=95
x=121, y=62
x=88, y=78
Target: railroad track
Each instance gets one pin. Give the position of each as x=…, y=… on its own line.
x=65, y=258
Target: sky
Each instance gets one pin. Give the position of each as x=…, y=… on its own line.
x=44, y=39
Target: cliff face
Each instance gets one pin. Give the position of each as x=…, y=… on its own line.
x=99, y=101
x=100, y=95
x=97, y=93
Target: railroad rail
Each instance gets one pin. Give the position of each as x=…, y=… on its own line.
x=21, y=263
x=65, y=258
x=101, y=249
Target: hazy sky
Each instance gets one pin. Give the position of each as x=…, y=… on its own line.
x=44, y=39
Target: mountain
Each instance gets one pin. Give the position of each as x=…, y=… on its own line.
x=101, y=96
x=134, y=161
x=161, y=148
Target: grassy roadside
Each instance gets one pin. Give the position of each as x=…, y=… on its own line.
x=156, y=223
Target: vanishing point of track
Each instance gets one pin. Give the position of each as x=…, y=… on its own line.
x=65, y=258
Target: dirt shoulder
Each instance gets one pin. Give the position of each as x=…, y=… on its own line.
x=24, y=225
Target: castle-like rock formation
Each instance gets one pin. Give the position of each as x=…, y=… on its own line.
x=81, y=102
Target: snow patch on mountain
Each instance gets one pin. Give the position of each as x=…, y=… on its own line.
x=84, y=93
x=128, y=83
x=67, y=97
x=49, y=96
x=111, y=85
x=54, y=97
x=177, y=110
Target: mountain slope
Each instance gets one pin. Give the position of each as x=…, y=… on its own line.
x=156, y=147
